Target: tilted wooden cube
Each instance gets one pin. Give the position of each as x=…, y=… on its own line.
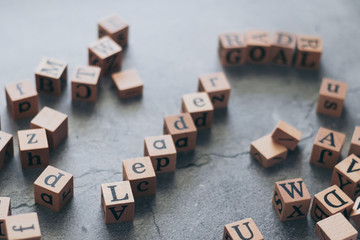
x=217, y=87
x=283, y=47
x=54, y=122
x=117, y=202
x=326, y=148
x=232, y=49
x=258, y=46
x=286, y=135
x=23, y=226
x=355, y=212
x=6, y=147
x=5, y=211
x=355, y=142
x=53, y=188
x=22, y=99
x=85, y=83
x=308, y=54
x=183, y=131
x=162, y=152
x=114, y=27
x=243, y=229
x=331, y=97
x=128, y=83
x=335, y=227
x=329, y=202
x=51, y=76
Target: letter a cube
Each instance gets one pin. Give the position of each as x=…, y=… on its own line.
x=6, y=147
x=244, y=229
x=23, y=226
x=5, y=211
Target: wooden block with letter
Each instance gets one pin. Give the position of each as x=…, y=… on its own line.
x=85, y=83
x=183, y=131
x=200, y=108
x=51, y=76
x=335, y=227
x=106, y=54
x=283, y=48
x=355, y=212
x=23, y=226
x=114, y=27
x=309, y=49
x=243, y=229
x=141, y=175
x=128, y=83
x=217, y=87
x=286, y=135
x=5, y=211
x=117, y=202
x=291, y=199
x=329, y=202
x=232, y=49
x=22, y=99
x=331, y=97
x=327, y=147
x=162, y=152
x=6, y=147
x=54, y=122
x=267, y=151
x=258, y=46
x=53, y=188
x=355, y=142
x=33, y=148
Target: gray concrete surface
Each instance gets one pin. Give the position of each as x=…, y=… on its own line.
x=171, y=44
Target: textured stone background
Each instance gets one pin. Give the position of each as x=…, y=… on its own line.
x=171, y=44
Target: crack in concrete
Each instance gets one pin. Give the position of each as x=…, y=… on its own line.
x=153, y=218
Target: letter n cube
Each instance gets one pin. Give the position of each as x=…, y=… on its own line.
x=243, y=229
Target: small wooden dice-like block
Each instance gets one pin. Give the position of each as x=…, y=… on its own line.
x=329, y=202
x=141, y=175
x=286, y=135
x=128, y=83
x=6, y=147
x=117, y=202
x=84, y=83
x=335, y=227
x=33, y=148
x=355, y=212
x=23, y=226
x=283, y=48
x=244, y=229
x=114, y=27
x=355, y=142
x=217, y=87
x=268, y=152
x=346, y=176
x=291, y=199
x=232, y=49
x=51, y=76
x=258, y=46
x=200, y=108
x=162, y=152
x=22, y=99
x=55, y=123
x=182, y=129
x=331, y=97
x=308, y=54
x=5, y=211
x=53, y=188
x=106, y=54
x=327, y=147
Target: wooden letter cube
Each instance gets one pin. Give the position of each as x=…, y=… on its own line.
x=117, y=202
x=23, y=226
x=283, y=48
x=329, y=202
x=53, y=188
x=51, y=76
x=200, y=108
x=309, y=49
x=355, y=142
x=232, y=49
x=286, y=135
x=84, y=83
x=268, y=152
x=331, y=97
x=244, y=229
x=55, y=123
x=128, y=83
x=22, y=99
x=327, y=147
x=114, y=27
x=258, y=46
x=5, y=211
x=141, y=175
x=335, y=227
x=106, y=54
x=291, y=199
x=33, y=148
x=217, y=87
x=355, y=212
x=6, y=147
x=182, y=129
